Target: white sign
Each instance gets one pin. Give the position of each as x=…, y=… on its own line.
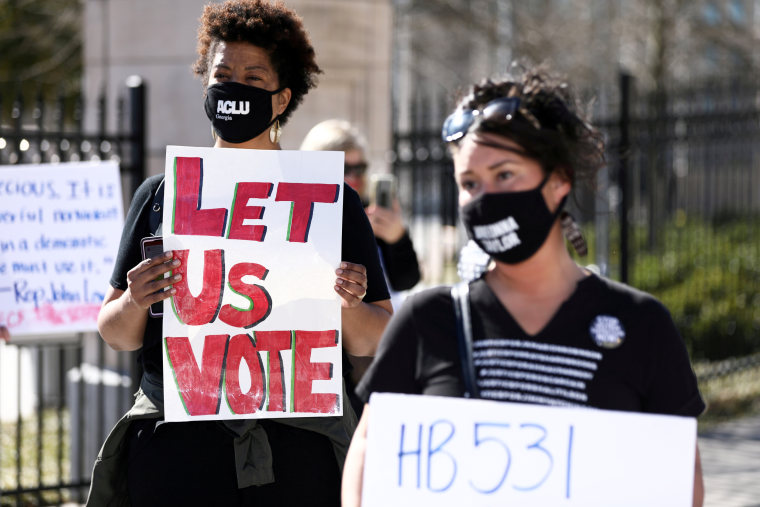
x=441, y=451
x=254, y=328
x=60, y=226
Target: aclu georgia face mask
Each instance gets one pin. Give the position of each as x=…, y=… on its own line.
x=239, y=112
x=510, y=226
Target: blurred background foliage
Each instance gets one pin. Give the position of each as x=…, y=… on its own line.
x=706, y=272
x=710, y=289
x=41, y=48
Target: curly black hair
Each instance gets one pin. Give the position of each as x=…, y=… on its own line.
x=548, y=125
x=270, y=26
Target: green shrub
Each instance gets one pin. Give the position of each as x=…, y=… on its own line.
x=707, y=274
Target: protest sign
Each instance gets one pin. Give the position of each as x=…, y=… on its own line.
x=61, y=225
x=424, y=450
x=253, y=330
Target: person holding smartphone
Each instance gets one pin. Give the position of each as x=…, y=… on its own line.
x=255, y=51
x=383, y=208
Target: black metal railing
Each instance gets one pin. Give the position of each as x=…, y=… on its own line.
x=42, y=132
x=693, y=211
x=68, y=391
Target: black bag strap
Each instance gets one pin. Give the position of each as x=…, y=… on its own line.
x=157, y=211
x=460, y=293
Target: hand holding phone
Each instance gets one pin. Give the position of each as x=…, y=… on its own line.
x=384, y=212
x=382, y=190
x=153, y=246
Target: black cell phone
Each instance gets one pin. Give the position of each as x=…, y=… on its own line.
x=383, y=190
x=153, y=246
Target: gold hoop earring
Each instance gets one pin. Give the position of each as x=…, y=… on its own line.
x=275, y=132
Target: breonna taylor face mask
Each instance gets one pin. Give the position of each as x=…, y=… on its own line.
x=239, y=112
x=510, y=226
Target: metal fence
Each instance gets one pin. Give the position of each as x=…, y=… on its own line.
x=426, y=187
x=60, y=395
x=687, y=171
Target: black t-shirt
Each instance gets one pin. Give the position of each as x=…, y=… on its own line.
x=608, y=346
x=358, y=246
x=400, y=262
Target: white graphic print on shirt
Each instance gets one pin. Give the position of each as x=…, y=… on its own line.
x=607, y=331
x=532, y=372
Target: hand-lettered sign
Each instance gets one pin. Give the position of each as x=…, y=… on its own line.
x=60, y=226
x=425, y=450
x=253, y=330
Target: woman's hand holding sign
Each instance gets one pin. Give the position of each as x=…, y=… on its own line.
x=363, y=323
x=122, y=318
x=147, y=281
x=351, y=284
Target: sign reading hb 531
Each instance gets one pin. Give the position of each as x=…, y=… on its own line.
x=448, y=451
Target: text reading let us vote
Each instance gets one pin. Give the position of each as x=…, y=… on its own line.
x=223, y=355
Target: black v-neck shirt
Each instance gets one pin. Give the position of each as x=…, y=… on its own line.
x=608, y=346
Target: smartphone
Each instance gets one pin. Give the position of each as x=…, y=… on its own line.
x=153, y=246
x=382, y=190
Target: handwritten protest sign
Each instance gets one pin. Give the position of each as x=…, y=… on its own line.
x=60, y=227
x=253, y=330
x=440, y=451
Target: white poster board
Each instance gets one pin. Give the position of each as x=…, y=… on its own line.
x=254, y=328
x=441, y=451
x=60, y=226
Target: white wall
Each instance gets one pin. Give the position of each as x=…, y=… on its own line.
x=157, y=39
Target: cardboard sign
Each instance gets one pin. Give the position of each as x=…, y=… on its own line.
x=440, y=451
x=253, y=330
x=60, y=226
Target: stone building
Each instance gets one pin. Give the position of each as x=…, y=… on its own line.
x=157, y=40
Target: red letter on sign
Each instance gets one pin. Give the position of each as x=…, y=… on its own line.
x=259, y=301
x=200, y=389
x=241, y=211
x=196, y=311
x=274, y=342
x=303, y=196
x=242, y=347
x=306, y=372
x=189, y=218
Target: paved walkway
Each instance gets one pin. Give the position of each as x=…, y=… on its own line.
x=731, y=463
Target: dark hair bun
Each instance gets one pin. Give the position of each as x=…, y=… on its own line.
x=551, y=127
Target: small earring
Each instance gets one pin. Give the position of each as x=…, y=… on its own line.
x=573, y=233
x=275, y=132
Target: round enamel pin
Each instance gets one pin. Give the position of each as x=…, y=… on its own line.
x=607, y=331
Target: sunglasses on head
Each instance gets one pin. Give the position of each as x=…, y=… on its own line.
x=359, y=168
x=501, y=110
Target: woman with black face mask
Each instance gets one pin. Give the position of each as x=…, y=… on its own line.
x=256, y=64
x=541, y=329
